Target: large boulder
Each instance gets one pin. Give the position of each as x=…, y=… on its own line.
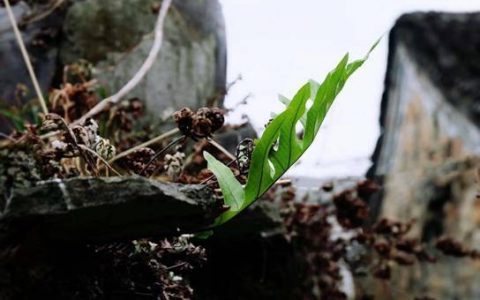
x=116, y=37
x=430, y=139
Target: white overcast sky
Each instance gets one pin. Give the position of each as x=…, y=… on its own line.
x=276, y=45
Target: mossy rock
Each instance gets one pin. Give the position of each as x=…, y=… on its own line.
x=116, y=35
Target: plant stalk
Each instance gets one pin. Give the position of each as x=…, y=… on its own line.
x=154, y=158
x=26, y=58
x=155, y=140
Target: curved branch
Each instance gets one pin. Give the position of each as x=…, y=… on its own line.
x=155, y=140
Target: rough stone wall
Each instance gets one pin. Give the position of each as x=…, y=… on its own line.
x=423, y=132
x=427, y=158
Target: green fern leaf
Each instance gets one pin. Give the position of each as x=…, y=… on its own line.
x=279, y=147
x=233, y=193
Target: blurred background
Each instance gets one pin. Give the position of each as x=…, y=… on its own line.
x=277, y=45
x=337, y=232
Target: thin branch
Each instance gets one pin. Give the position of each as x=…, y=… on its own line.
x=232, y=157
x=240, y=103
x=147, y=64
x=232, y=83
x=6, y=136
x=155, y=140
x=223, y=150
x=41, y=15
x=285, y=181
x=26, y=58
x=177, y=265
x=50, y=134
x=222, y=93
x=155, y=157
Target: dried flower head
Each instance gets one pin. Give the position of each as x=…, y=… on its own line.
x=137, y=161
x=174, y=165
x=351, y=211
x=105, y=149
x=183, y=118
x=200, y=124
x=382, y=271
x=52, y=122
x=450, y=247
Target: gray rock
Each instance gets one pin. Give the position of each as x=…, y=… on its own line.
x=103, y=209
x=261, y=219
x=116, y=37
x=231, y=137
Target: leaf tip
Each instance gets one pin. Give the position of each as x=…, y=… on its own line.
x=207, y=155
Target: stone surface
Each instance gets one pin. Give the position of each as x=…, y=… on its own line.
x=430, y=137
x=231, y=137
x=103, y=209
x=430, y=69
x=262, y=219
x=445, y=47
x=117, y=36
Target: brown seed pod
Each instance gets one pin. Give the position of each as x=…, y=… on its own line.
x=217, y=118
x=382, y=248
x=52, y=122
x=367, y=187
x=382, y=272
x=351, y=211
x=200, y=124
x=423, y=255
x=403, y=259
x=183, y=118
x=201, y=127
x=137, y=161
x=407, y=245
x=450, y=247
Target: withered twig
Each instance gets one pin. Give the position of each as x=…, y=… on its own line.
x=42, y=15
x=6, y=136
x=220, y=147
x=175, y=141
x=26, y=58
x=50, y=134
x=155, y=140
